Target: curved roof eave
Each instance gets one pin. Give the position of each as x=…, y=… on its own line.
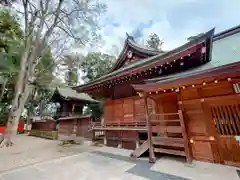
x=129, y=42
x=152, y=59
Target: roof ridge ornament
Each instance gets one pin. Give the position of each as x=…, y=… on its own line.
x=130, y=37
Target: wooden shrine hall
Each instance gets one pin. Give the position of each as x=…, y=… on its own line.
x=182, y=102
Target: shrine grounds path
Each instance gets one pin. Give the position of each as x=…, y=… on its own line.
x=40, y=159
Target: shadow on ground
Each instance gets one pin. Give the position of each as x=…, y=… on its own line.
x=142, y=167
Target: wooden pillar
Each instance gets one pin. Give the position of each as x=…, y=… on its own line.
x=93, y=135
x=137, y=140
x=149, y=128
x=120, y=139
x=185, y=137
x=105, y=138
x=183, y=126
x=73, y=108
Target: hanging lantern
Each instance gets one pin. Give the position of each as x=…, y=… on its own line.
x=160, y=71
x=203, y=50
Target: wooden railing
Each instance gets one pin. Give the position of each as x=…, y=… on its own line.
x=119, y=125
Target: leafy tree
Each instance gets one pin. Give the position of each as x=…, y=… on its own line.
x=96, y=64
x=71, y=65
x=154, y=41
x=48, y=22
x=11, y=46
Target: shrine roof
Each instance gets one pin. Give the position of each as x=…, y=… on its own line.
x=151, y=61
x=131, y=44
x=70, y=94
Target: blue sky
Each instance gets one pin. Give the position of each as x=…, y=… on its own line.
x=172, y=20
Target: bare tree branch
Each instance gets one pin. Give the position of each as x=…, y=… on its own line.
x=57, y=12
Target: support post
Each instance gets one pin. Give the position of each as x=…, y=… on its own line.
x=93, y=135
x=120, y=140
x=185, y=137
x=149, y=128
x=137, y=140
x=105, y=138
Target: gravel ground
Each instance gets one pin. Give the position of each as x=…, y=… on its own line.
x=29, y=150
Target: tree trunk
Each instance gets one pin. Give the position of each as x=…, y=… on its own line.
x=11, y=129
x=13, y=119
x=17, y=102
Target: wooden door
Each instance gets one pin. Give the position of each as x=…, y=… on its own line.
x=225, y=113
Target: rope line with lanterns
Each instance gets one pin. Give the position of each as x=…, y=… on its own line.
x=204, y=83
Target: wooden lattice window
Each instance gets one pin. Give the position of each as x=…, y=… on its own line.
x=227, y=119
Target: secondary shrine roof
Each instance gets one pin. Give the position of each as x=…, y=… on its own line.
x=70, y=94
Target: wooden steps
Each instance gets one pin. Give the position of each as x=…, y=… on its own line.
x=139, y=151
x=170, y=151
x=166, y=141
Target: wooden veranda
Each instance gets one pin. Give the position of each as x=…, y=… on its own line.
x=165, y=133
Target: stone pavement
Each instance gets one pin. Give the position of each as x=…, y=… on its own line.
x=93, y=165
x=96, y=163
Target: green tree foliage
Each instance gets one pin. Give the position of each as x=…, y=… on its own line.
x=71, y=65
x=10, y=52
x=57, y=23
x=11, y=46
x=154, y=41
x=96, y=64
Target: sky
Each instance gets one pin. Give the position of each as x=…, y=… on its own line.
x=173, y=20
